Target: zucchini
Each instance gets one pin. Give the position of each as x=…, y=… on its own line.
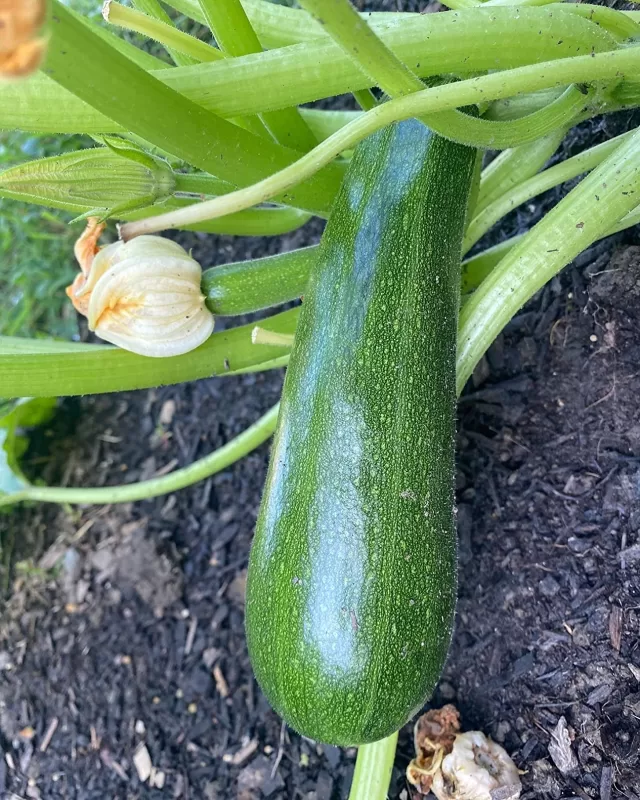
x=351, y=585
x=245, y=286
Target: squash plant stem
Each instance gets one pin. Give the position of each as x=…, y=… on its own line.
x=373, y=769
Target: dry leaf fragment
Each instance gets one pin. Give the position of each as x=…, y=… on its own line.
x=142, y=763
x=560, y=748
x=247, y=749
x=221, y=684
x=615, y=627
x=459, y=766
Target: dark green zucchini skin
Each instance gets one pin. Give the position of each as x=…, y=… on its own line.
x=351, y=585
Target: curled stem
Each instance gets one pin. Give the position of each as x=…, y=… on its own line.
x=602, y=66
x=352, y=33
x=220, y=459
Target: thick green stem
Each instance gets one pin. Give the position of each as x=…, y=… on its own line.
x=481, y=39
x=220, y=459
x=619, y=25
x=230, y=26
x=587, y=213
x=432, y=44
x=280, y=26
x=173, y=39
x=352, y=33
x=233, y=32
x=514, y=166
x=85, y=65
x=235, y=36
x=373, y=770
x=604, y=66
x=554, y=176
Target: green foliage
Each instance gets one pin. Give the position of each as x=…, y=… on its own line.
x=36, y=249
x=15, y=417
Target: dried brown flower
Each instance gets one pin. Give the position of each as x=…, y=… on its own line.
x=21, y=49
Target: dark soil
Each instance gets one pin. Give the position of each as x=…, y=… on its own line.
x=136, y=634
x=124, y=624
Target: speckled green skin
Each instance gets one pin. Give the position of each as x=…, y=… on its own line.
x=352, y=578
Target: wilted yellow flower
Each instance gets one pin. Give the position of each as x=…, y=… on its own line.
x=21, y=50
x=143, y=295
x=459, y=766
x=476, y=769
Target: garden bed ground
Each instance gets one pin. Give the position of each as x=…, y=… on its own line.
x=125, y=628
x=138, y=637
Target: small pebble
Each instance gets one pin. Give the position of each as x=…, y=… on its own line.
x=447, y=691
x=578, y=545
x=549, y=586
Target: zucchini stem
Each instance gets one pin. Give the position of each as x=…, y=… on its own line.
x=373, y=769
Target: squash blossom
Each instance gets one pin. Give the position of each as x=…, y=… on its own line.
x=143, y=295
x=21, y=50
